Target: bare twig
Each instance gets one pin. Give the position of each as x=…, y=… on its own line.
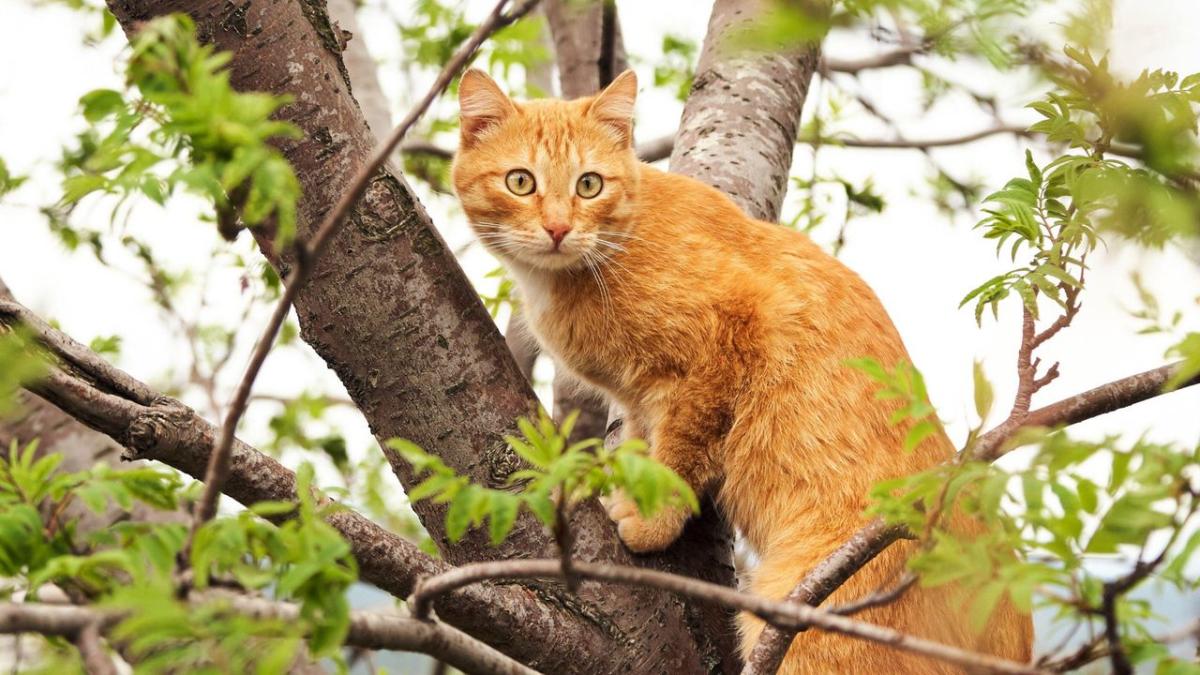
x=896, y=57
x=1097, y=648
x=921, y=144
x=307, y=254
x=96, y=661
x=660, y=148
x=791, y=615
x=879, y=598
x=372, y=630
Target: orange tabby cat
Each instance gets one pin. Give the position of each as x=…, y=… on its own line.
x=725, y=340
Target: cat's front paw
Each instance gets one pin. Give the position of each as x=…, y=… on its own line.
x=644, y=535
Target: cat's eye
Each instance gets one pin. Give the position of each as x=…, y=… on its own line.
x=589, y=185
x=519, y=182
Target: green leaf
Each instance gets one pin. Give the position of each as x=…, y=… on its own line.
x=101, y=103
x=984, y=394
x=504, y=508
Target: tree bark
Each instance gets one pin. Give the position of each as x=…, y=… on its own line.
x=742, y=116
x=587, y=44
x=387, y=307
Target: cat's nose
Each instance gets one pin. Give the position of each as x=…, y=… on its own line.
x=557, y=232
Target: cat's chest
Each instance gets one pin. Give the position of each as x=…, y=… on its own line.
x=572, y=321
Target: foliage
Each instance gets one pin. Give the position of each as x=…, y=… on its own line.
x=561, y=474
x=303, y=559
x=213, y=139
x=8, y=182
x=434, y=29
x=18, y=366
x=675, y=69
x=952, y=28
x=34, y=498
x=95, y=9
x=130, y=566
x=504, y=295
x=1061, y=518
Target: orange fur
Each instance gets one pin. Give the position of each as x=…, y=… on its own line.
x=725, y=340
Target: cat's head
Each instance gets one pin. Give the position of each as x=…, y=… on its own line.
x=548, y=184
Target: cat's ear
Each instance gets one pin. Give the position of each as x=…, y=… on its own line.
x=614, y=105
x=481, y=105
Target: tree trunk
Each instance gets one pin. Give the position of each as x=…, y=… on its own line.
x=742, y=116
x=587, y=44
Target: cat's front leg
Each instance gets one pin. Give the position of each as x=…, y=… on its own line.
x=683, y=444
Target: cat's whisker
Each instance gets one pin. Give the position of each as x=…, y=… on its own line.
x=590, y=261
x=610, y=260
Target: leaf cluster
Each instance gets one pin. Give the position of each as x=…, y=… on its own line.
x=560, y=474
x=1062, y=519
x=188, y=129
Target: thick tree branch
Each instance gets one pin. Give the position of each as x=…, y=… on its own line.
x=587, y=44
x=779, y=613
x=373, y=630
x=820, y=582
x=170, y=432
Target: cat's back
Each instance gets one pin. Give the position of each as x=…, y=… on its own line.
x=797, y=289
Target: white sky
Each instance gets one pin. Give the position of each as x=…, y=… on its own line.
x=919, y=263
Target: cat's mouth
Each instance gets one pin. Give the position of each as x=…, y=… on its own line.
x=556, y=257
x=537, y=252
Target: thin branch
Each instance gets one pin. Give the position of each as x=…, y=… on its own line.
x=96, y=661
x=897, y=57
x=819, y=583
x=1097, y=648
x=660, y=148
x=879, y=598
x=919, y=144
x=310, y=251
x=1112, y=633
x=371, y=630
x=787, y=614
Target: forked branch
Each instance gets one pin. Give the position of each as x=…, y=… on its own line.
x=307, y=253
